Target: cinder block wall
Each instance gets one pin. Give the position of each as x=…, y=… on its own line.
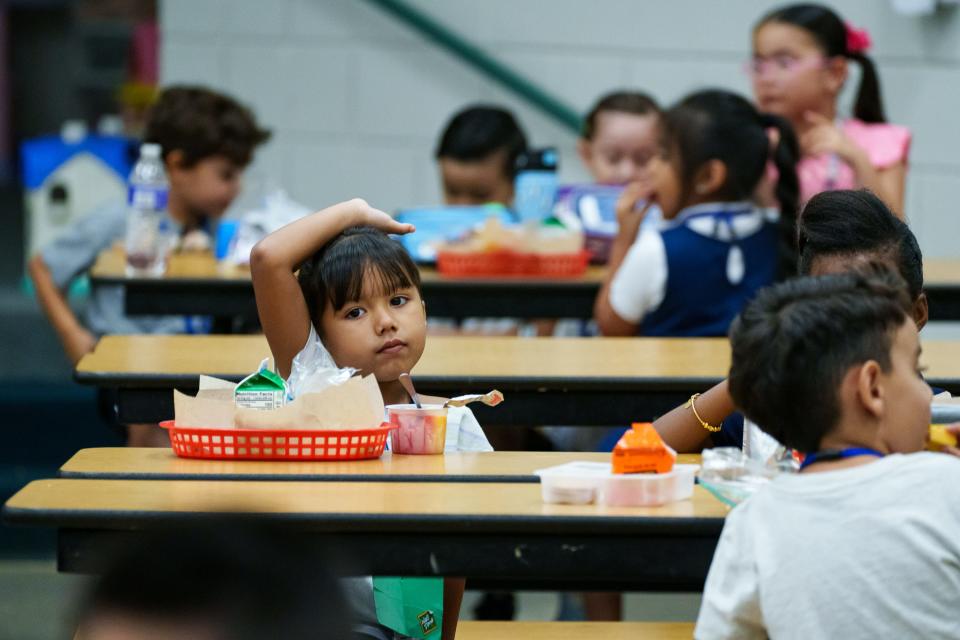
x=356, y=99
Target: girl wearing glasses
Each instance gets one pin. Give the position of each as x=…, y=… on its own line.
x=801, y=56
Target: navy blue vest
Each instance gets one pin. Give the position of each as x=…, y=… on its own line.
x=700, y=300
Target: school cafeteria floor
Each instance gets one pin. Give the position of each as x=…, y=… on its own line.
x=45, y=418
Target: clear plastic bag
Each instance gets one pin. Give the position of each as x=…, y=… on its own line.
x=733, y=475
x=276, y=210
x=313, y=369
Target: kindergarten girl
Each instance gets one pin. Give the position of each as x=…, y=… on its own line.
x=800, y=63
x=357, y=296
x=693, y=272
x=619, y=137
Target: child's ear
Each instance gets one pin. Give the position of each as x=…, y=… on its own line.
x=584, y=151
x=836, y=72
x=921, y=311
x=174, y=161
x=710, y=177
x=870, y=389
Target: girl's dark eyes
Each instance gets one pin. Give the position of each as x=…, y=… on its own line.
x=354, y=313
x=399, y=301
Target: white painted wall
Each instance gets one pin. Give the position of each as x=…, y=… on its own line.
x=356, y=100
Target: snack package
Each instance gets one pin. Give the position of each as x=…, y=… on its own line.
x=642, y=450
x=940, y=438
x=263, y=390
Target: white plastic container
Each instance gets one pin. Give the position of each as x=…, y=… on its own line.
x=573, y=482
x=647, y=489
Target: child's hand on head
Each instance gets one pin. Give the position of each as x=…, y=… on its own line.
x=372, y=217
x=825, y=136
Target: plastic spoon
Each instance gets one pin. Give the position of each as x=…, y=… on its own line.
x=407, y=383
x=491, y=399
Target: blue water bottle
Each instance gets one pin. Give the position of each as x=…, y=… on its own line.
x=536, y=184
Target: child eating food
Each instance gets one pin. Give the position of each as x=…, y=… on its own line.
x=863, y=542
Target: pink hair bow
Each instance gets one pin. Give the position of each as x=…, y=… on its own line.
x=858, y=40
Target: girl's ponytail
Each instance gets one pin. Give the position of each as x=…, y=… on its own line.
x=869, y=104
x=785, y=156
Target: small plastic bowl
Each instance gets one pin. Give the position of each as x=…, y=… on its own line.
x=419, y=431
x=648, y=489
x=572, y=483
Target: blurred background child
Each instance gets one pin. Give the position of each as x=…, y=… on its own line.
x=220, y=580
x=619, y=137
x=801, y=56
x=207, y=140
x=477, y=155
x=714, y=249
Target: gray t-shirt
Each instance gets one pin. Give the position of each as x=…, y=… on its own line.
x=73, y=253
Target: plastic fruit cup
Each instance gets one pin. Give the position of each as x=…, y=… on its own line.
x=419, y=431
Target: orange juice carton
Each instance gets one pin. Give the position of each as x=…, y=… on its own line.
x=642, y=450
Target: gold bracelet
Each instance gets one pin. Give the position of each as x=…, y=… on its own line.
x=703, y=423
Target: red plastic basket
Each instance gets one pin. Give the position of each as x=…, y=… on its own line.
x=511, y=263
x=277, y=444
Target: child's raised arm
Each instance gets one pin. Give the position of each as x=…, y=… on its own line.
x=280, y=304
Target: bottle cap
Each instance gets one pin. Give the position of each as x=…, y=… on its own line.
x=150, y=150
x=73, y=131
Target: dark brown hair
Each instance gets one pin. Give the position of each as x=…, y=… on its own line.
x=715, y=124
x=201, y=123
x=334, y=275
x=795, y=341
x=623, y=101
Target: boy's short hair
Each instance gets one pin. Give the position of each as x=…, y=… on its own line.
x=794, y=343
x=477, y=132
x=201, y=123
x=242, y=579
x=633, y=102
x=847, y=222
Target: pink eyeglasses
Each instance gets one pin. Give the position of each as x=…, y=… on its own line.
x=780, y=65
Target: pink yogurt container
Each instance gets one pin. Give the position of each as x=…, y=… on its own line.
x=419, y=431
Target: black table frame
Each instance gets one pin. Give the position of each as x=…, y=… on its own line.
x=530, y=401
x=516, y=552
x=522, y=298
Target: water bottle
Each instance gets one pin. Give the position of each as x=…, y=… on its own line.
x=536, y=184
x=147, y=244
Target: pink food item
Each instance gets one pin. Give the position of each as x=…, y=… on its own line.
x=419, y=431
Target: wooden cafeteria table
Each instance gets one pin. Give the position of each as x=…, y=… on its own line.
x=196, y=285
x=129, y=463
x=573, y=381
x=486, y=630
x=501, y=534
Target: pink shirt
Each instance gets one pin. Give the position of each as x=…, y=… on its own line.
x=886, y=145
